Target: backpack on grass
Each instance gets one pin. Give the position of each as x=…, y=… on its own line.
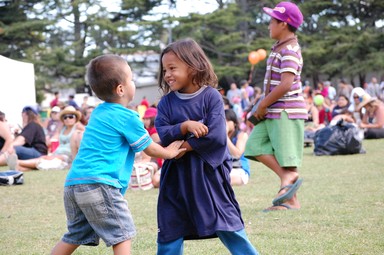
x=11, y=177
x=341, y=139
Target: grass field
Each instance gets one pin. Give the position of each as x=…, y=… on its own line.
x=342, y=211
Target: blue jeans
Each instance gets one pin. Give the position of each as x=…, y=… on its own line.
x=26, y=152
x=236, y=242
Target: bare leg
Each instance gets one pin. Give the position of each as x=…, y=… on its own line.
x=287, y=175
x=156, y=179
x=238, y=177
x=28, y=164
x=236, y=180
x=63, y=248
x=10, y=159
x=123, y=248
x=3, y=160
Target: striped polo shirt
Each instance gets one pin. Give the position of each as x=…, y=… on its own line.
x=286, y=57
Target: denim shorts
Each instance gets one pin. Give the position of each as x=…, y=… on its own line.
x=97, y=211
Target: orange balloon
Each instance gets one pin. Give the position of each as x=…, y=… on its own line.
x=253, y=57
x=262, y=53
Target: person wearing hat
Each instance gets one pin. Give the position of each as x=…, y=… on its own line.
x=373, y=118
x=70, y=117
x=277, y=141
x=62, y=155
x=51, y=125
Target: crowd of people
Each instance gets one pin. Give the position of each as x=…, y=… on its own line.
x=325, y=105
x=362, y=107
x=39, y=143
x=196, y=140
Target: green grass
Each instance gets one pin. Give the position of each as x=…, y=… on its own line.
x=342, y=211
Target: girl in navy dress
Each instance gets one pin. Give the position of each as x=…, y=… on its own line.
x=196, y=200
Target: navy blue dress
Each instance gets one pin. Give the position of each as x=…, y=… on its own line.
x=195, y=196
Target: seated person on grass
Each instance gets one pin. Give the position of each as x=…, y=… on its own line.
x=30, y=143
x=7, y=157
x=373, y=118
x=70, y=118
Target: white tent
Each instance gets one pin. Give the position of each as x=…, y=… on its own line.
x=17, y=88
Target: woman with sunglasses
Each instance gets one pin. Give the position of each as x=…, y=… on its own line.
x=61, y=157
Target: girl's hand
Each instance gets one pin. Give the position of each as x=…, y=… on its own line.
x=197, y=128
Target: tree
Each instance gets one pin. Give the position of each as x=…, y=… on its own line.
x=339, y=38
x=342, y=38
x=21, y=32
x=227, y=36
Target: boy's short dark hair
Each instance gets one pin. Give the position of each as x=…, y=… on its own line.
x=290, y=27
x=104, y=74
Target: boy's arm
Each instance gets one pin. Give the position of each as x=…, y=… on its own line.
x=171, y=151
x=278, y=92
x=287, y=79
x=187, y=148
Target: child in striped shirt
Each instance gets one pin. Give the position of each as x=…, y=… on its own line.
x=277, y=142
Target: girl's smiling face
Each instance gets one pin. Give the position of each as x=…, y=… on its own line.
x=177, y=74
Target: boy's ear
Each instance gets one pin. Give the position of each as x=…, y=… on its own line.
x=120, y=90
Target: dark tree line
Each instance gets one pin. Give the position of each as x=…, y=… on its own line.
x=340, y=38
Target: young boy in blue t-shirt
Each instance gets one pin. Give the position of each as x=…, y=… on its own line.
x=100, y=173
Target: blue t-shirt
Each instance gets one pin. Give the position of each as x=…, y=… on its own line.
x=107, y=151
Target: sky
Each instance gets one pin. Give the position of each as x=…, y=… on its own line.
x=183, y=7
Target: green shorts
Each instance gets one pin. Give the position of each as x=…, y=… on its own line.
x=283, y=138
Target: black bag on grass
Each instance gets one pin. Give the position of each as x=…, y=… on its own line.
x=341, y=139
x=11, y=177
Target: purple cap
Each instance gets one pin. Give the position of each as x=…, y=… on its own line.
x=286, y=12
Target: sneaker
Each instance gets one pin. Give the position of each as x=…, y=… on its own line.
x=11, y=177
x=18, y=178
x=12, y=161
x=4, y=181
